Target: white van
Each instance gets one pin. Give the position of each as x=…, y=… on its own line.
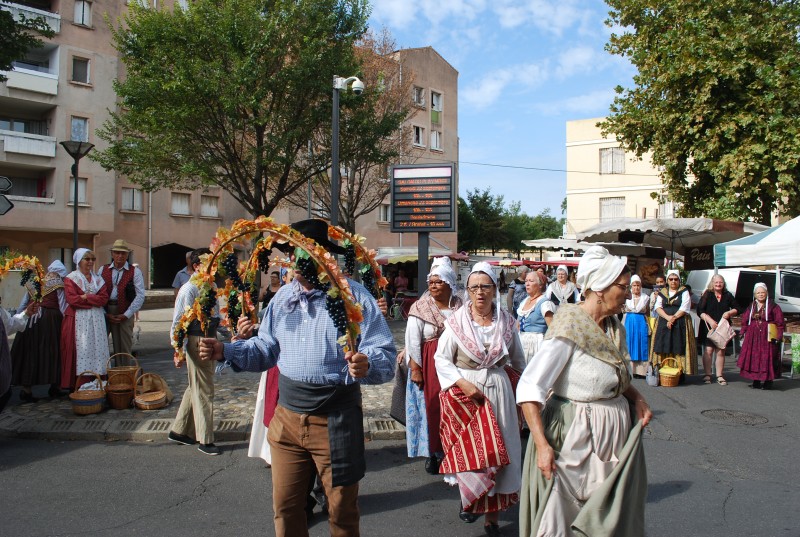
x=783, y=285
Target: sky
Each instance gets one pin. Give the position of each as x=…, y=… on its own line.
x=526, y=67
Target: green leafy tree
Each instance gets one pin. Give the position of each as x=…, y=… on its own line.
x=545, y=226
x=488, y=210
x=229, y=93
x=716, y=101
x=468, y=230
x=17, y=37
x=515, y=224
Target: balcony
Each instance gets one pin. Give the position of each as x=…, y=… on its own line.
x=31, y=80
x=28, y=144
x=19, y=11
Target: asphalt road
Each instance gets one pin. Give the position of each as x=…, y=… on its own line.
x=722, y=461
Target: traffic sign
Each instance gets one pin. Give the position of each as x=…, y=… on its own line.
x=5, y=203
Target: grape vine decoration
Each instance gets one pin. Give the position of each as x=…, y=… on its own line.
x=32, y=271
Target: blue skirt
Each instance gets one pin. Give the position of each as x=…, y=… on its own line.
x=636, y=335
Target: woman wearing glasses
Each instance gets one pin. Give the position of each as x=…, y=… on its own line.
x=674, y=336
x=585, y=453
x=84, y=340
x=426, y=321
x=534, y=314
x=479, y=352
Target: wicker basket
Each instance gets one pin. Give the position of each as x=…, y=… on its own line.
x=119, y=391
x=669, y=375
x=124, y=363
x=150, y=400
x=87, y=402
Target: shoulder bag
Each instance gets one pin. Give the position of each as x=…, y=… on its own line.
x=721, y=335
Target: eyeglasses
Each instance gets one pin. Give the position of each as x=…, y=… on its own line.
x=483, y=288
x=673, y=279
x=437, y=283
x=90, y=259
x=626, y=288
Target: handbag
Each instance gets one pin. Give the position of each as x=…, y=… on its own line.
x=721, y=335
x=651, y=377
x=397, y=409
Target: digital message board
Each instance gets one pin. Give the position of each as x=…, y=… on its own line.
x=423, y=198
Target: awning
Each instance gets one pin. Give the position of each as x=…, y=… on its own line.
x=392, y=255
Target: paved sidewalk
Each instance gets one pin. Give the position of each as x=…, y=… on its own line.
x=234, y=401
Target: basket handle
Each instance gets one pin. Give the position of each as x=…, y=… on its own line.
x=143, y=375
x=89, y=373
x=123, y=375
x=132, y=357
x=677, y=364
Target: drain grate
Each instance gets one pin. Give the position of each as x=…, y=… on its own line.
x=229, y=425
x=158, y=425
x=734, y=416
x=127, y=425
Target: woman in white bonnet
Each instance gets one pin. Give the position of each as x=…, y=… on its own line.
x=759, y=360
x=674, y=333
x=585, y=416
x=563, y=291
x=637, y=311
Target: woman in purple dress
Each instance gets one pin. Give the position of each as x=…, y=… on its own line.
x=759, y=355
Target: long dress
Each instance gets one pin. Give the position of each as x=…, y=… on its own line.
x=714, y=308
x=637, y=332
x=760, y=358
x=35, y=354
x=479, y=354
x=532, y=324
x=84, y=340
x=423, y=411
x=678, y=342
x=599, y=486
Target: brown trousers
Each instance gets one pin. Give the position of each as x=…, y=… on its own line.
x=299, y=443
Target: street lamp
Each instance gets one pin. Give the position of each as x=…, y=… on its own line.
x=339, y=83
x=77, y=150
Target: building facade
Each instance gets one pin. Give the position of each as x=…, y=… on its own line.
x=64, y=91
x=605, y=183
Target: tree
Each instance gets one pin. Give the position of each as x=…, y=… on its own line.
x=716, y=100
x=515, y=224
x=19, y=37
x=372, y=134
x=468, y=230
x=229, y=93
x=487, y=210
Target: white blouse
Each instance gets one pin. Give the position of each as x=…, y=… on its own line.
x=417, y=332
x=686, y=301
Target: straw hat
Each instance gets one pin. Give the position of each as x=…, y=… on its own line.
x=120, y=246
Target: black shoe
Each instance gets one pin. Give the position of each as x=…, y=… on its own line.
x=209, y=449
x=432, y=465
x=767, y=385
x=492, y=529
x=27, y=397
x=181, y=438
x=756, y=385
x=467, y=517
x=55, y=393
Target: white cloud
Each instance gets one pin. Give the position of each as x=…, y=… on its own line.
x=493, y=85
x=594, y=103
x=579, y=60
x=553, y=16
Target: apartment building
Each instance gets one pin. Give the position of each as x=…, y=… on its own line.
x=64, y=91
x=605, y=183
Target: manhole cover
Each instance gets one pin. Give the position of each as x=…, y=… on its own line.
x=734, y=416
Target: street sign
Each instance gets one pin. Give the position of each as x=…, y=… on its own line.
x=423, y=198
x=5, y=203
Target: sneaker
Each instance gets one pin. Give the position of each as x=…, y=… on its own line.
x=209, y=449
x=181, y=438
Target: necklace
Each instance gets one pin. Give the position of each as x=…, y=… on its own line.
x=482, y=316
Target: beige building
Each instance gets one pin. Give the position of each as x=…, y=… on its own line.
x=63, y=92
x=605, y=183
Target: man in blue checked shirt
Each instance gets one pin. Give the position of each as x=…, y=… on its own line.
x=319, y=421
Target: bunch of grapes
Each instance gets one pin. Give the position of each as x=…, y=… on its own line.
x=231, y=266
x=234, y=309
x=308, y=269
x=263, y=260
x=350, y=259
x=335, y=307
x=208, y=299
x=368, y=280
x=37, y=285
x=26, y=276
x=180, y=337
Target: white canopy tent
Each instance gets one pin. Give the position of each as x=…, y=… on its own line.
x=779, y=245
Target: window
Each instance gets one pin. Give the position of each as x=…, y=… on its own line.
x=419, y=136
x=181, y=203
x=436, y=107
x=418, y=96
x=790, y=284
x=80, y=70
x=81, y=190
x=28, y=187
x=383, y=212
x=28, y=126
x=132, y=199
x=183, y=4
x=83, y=13
x=611, y=208
x=79, y=131
x=612, y=160
x=436, y=140
x=141, y=3
x=209, y=206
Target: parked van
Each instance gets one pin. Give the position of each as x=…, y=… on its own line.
x=783, y=285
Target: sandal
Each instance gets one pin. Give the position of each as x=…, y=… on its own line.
x=721, y=381
x=707, y=379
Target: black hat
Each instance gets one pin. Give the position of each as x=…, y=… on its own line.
x=316, y=230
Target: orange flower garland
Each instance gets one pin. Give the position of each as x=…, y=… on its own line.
x=33, y=270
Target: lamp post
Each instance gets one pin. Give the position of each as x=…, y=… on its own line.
x=77, y=150
x=339, y=83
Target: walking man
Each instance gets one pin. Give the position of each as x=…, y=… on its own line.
x=126, y=285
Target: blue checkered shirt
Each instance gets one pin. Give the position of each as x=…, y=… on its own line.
x=298, y=335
